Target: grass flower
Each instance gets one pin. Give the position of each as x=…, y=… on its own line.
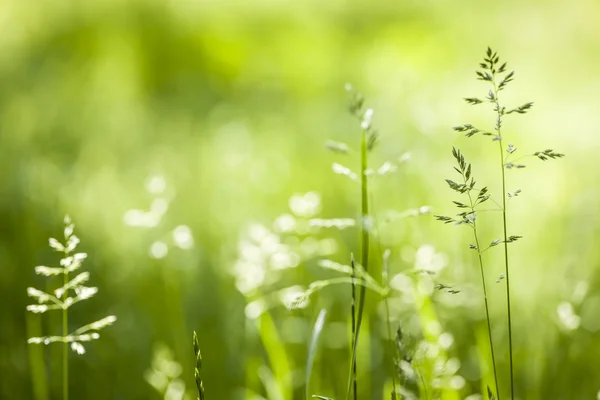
x=71, y=292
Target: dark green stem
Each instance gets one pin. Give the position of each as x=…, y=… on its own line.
x=364, y=234
x=391, y=342
x=65, y=333
x=353, y=310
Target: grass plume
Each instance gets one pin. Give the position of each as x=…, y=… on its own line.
x=71, y=292
x=468, y=216
x=496, y=75
x=368, y=140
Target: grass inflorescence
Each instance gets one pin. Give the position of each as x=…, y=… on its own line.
x=198, y=367
x=70, y=293
x=420, y=352
x=496, y=75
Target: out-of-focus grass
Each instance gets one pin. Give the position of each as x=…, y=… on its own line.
x=233, y=101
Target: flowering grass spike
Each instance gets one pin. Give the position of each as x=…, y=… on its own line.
x=71, y=292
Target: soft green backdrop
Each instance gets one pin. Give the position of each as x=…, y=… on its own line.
x=232, y=101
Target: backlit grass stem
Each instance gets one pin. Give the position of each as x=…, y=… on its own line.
x=368, y=138
x=71, y=292
x=496, y=76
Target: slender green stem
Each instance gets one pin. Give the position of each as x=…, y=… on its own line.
x=391, y=343
x=364, y=234
x=65, y=333
x=500, y=113
x=485, y=297
x=385, y=283
x=506, y=272
x=198, y=367
x=487, y=317
x=353, y=311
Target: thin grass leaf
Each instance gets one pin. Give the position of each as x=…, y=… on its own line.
x=312, y=348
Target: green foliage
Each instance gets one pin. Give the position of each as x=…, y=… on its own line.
x=231, y=102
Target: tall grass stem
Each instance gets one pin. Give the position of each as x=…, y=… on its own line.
x=485, y=297
x=506, y=272
x=65, y=332
x=499, y=111
x=364, y=235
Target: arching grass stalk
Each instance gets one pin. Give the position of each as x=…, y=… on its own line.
x=495, y=74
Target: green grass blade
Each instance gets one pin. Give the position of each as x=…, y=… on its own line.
x=312, y=349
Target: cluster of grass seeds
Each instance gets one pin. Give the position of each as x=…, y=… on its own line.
x=468, y=216
x=198, y=367
x=496, y=76
x=71, y=292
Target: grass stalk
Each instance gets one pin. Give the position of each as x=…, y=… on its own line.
x=391, y=344
x=59, y=300
x=385, y=282
x=495, y=73
x=65, y=332
x=469, y=218
x=198, y=367
x=506, y=272
x=500, y=113
x=364, y=247
x=485, y=296
x=353, y=312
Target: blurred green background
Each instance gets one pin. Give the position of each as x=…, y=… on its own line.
x=231, y=102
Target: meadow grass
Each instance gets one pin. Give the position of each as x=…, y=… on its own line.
x=425, y=370
x=496, y=75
